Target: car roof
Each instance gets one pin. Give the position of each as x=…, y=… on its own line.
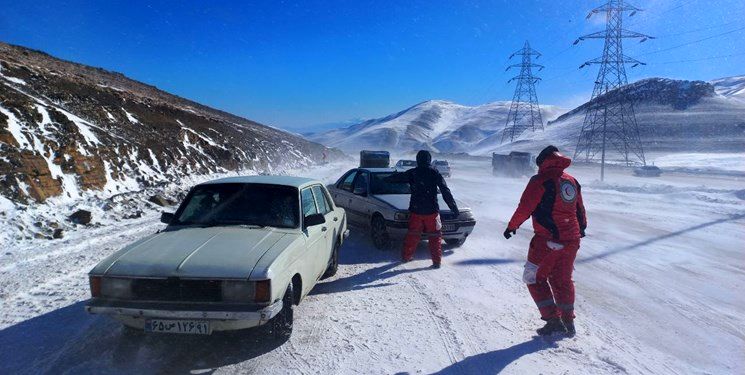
x=378, y=170
x=297, y=182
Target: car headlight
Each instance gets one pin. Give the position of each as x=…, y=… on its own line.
x=401, y=216
x=238, y=291
x=116, y=287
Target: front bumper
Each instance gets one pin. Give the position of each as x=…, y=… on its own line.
x=462, y=228
x=221, y=317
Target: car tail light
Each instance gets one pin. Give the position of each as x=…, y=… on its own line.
x=263, y=291
x=95, y=283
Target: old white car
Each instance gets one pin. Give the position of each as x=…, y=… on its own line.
x=382, y=206
x=239, y=252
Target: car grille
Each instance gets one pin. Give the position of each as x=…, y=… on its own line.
x=175, y=289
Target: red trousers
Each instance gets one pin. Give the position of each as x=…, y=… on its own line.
x=424, y=224
x=548, y=274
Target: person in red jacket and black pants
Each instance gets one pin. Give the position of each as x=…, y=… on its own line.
x=554, y=199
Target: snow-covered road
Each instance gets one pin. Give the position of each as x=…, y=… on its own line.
x=659, y=283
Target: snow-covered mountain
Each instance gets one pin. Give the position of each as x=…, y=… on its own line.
x=67, y=128
x=731, y=87
x=673, y=116
x=435, y=125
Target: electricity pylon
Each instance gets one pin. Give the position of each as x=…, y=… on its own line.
x=524, y=111
x=609, y=119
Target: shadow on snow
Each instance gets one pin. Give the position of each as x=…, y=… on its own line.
x=70, y=340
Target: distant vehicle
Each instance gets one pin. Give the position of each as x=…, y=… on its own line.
x=443, y=167
x=381, y=206
x=375, y=159
x=516, y=164
x=404, y=165
x=648, y=171
x=239, y=252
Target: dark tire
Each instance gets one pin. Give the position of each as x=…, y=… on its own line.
x=379, y=233
x=455, y=242
x=333, y=263
x=280, y=327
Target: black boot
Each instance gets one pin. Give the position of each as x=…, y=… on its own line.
x=569, y=325
x=553, y=325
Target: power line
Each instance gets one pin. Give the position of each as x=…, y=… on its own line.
x=701, y=29
x=660, y=14
x=694, y=42
x=702, y=59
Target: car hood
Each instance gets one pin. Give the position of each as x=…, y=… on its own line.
x=401, y=201
x=215, y=252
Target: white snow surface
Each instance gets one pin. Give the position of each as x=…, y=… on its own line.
x=658, y=278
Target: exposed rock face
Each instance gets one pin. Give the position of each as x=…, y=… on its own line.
x=67, y=128
x=81, y=217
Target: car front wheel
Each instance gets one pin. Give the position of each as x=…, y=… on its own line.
x=281, y=325
x=379, y=233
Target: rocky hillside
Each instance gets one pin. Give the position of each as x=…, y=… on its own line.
x=67, y=129
x=436, y=125
x=673, y=116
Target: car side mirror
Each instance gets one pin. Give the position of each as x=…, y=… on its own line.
x=313, y=220
x=167, y=217
x=359, y=190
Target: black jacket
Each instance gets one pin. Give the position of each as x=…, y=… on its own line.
x=424, y=181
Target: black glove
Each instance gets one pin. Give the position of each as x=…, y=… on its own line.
x=509, y=233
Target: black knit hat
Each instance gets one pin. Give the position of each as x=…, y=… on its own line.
x=423, y=158
x=545, y=153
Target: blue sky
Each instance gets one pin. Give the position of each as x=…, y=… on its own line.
x=302, y=63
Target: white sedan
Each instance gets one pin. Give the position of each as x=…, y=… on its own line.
x=238, y=253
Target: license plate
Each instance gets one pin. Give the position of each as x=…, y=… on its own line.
x=448, y=227
x=191, y=327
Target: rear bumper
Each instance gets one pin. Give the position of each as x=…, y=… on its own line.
x=222, y=317
x=463, y=228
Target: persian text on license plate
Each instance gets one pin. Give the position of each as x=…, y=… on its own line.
x=193, y=327
x=448, y=228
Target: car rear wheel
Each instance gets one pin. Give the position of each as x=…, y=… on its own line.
x=379, y=233
x=280, y=326
x=333, y=263
x=455, y=242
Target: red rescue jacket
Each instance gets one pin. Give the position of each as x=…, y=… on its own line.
x=554, y=199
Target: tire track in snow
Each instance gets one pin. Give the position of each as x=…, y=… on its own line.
x=453, y=345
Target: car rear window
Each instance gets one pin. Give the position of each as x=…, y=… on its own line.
x=379, y=186
x=240, y=204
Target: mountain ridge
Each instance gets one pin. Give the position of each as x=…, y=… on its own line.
x=67, y=128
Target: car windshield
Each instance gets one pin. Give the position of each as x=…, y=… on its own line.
x=379, y=186
x=240, y=204
x=441, y=162
x=408, y=163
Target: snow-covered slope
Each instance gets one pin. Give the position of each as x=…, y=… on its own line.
x=435, y=125
x=67, y=128
x=673, y=116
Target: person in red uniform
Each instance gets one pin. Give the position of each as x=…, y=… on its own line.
x=554, y=199
x=424, y=181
